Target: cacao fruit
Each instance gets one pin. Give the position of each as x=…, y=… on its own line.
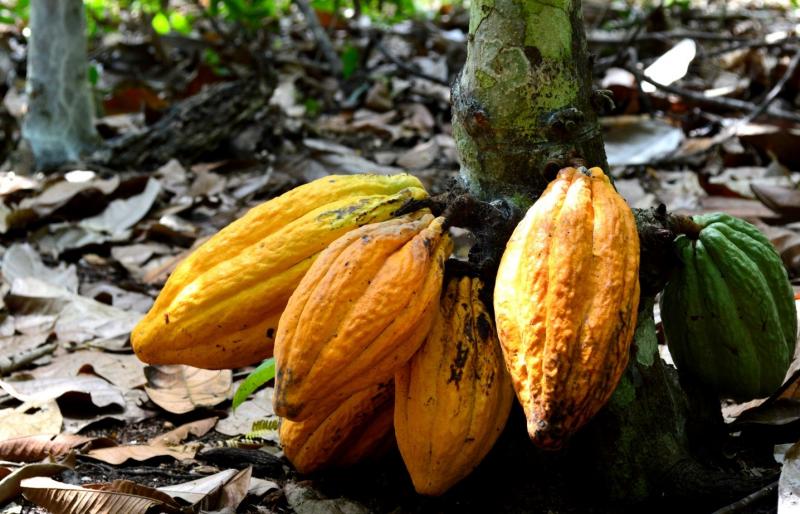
x=728, y=311
x=454, y=396
x=566, y=300
x=360, y=313
x=221, y=305
x=357, y=428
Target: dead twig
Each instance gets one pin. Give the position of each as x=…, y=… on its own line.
x=748, y=500
x=732, y=104
x=750, y=45
x=23, y=358
x=776, y=90
x=606, y=38
x=323, y=41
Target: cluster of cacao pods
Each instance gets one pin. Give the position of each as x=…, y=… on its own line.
x=374, y=343
x=344, y=292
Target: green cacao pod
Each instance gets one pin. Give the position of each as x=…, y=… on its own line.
x=728, y=311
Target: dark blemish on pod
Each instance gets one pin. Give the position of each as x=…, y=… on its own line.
x=484, y=326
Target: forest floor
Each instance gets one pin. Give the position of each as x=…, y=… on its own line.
x=86, y=249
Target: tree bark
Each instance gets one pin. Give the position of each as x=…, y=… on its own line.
x=193, y=126
x=523, y=105
x=59, y=123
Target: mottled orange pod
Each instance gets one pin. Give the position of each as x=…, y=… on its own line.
x=360, y=313
x=565, y=301
x=453, y=397
x=357, y=428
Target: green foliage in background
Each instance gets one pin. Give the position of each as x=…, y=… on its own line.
x=178, y=16
x=14, y=11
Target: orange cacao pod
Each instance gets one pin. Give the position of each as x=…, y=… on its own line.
x=220, y=307
x=357, y=428
x=360, y=313
x=565, y=300
x=453, y=397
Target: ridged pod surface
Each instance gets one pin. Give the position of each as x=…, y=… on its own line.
x=220, y=307
x=454, y=396
x=729, y=312
x=565, y=302
x=360, y=313
x=357, y=428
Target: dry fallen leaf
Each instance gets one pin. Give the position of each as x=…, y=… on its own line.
x=116, y=455
x=220, y=491
x=134, y=411
x=10, y=484
x=77, y=318
x=421, y=156
x=194, y=491
x=37, y=447
x=633, y=140
x=197, y=428
x=230, y=495
x=118, y=297
x=783, y=200
x=777, y=412
x=118, y=497
x=113, y=224
x=181, y=389
x=30, y=419
x=101, y=392
x=164, y=445
x=59, y=193
x=789, y=483
x=21, y=261
x=123, y=370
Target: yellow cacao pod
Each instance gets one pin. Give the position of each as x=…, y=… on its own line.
x=359, y=313
x=357, y=428
x=220, y=307
x=565, y=301
x=453, y=397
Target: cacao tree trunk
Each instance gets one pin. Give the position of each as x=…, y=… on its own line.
x=523, y=108
x=59, y=123
x=523, y=105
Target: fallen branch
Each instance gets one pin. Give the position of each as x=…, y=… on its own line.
x=193, y=126
x=23, y=358
x=748, y=500
x=724, y=103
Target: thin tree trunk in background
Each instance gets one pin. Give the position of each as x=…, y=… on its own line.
x=522, y=106
x=59, y=123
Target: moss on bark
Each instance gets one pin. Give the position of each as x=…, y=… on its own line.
x=522, y=106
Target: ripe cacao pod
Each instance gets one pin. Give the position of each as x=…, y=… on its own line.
x=357, y=428
x=220, y=307
x=566, y=299
x=453, y=397
x=360, y=313
x=728, y=311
